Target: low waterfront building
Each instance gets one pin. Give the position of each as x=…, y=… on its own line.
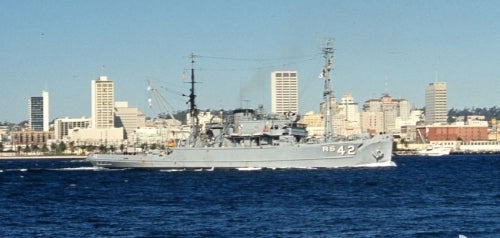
x=96, y=136
x=30, y=137
x=480, y=146
x=159, y=135
x=4, y=133
x=62, y=126
x=452, y=133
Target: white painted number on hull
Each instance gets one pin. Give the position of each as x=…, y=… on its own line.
x=340, y=150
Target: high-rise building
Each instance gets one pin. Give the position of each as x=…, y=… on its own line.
x=381, y=115
x=130, y=118
x=102, y=103
x=349, y=110
x=38, y=109
x=102, y=131
x=284, y=92
x=436, y=109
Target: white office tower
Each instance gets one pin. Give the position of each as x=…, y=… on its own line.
x=349, y=108
x=350, y=117
x=284, y=92
x=38, y=109
x=436, y=107
x=102, y=103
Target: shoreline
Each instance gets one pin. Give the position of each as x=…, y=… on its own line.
x=414, y=153
x=32, y=157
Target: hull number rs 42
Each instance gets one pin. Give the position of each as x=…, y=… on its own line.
x=340, y=150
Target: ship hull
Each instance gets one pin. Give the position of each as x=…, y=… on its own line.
x=376, y=151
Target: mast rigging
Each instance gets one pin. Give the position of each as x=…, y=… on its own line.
x=327, y=90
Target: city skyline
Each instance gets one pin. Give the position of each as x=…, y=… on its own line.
x=381, y=47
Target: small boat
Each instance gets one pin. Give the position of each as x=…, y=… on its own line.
x=435, y=150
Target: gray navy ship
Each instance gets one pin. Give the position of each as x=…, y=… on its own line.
x=248, y=139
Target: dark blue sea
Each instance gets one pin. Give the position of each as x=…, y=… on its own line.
x=420, y=197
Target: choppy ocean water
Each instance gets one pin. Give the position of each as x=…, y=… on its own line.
x=421, y=197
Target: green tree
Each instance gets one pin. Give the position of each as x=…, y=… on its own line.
x=89, y=148
x=102, y=148
x=61, y=147
x=154, y=146
x=53, y=148
x=35, y=148
x=45, y=149
x=27, y=149
x=84, y=148
x=72, y=147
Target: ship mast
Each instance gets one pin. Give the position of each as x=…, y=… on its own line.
x=193, y=110
x=327, y=90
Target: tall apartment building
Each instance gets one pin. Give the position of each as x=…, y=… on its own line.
x=38, y=110
x=436, y=108
x=284, y=92
x=102, y=103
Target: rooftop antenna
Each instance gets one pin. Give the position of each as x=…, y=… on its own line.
x=386, y=89
x=103, y=68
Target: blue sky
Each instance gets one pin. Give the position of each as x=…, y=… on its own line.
x=394, y=47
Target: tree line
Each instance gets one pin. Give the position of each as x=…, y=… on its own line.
x=488, y=113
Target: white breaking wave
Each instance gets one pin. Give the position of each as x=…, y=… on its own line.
x=172, y=170
x=249, y=169
x=381, y=164
x=20, y=170
x=305, y=168
x=78, y=168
